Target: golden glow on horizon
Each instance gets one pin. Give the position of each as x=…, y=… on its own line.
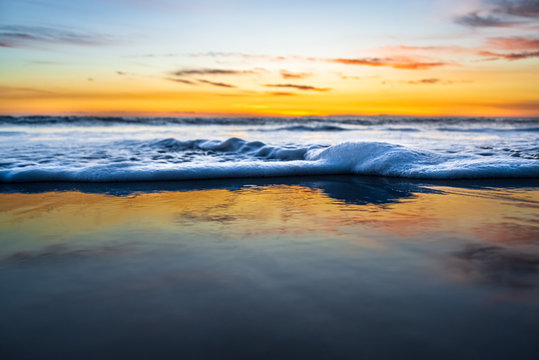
x=470, y=92
x=185, y=104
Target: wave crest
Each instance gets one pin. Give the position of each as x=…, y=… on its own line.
x=238, y=158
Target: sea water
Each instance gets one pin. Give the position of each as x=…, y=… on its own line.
x=97, y=149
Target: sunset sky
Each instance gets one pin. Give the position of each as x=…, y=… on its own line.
x=290, y=58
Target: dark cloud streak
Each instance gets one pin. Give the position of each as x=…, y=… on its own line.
x=397, y=63
x=218, y=84
x=290, y=75
x=298, y=87
x=430, y=81
x=32, y=36
x=473, y=19
x=425, y=81
x=204, y=71
x=183, y=81
x=509, y=56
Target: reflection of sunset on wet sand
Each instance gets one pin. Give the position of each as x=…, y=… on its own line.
x=296, y=261
x=255, y=212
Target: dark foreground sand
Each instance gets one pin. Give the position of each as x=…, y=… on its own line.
x=328, y=268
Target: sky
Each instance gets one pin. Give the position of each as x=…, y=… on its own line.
x=270, y=58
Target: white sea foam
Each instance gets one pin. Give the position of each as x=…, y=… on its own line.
x=35, y=149
x=171, y=159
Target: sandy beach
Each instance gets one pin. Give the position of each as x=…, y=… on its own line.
x=273, y=268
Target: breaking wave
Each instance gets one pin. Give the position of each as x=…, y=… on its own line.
x=172, y=159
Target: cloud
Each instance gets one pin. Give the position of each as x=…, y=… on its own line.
x=397, y=62
x=22, y=90
x=403, y=48
x=31, y=36
x=501, y=13
x=425, y=81
x=473, y=19
x=189, y=72
x=523, y=48
x=218, y=54
x=290, y=75
x=178, y=80
x=394, y=62
x=430, y=81
x=298, y=87
x=179, y=75
x=523, y=8
x=218, y=84
x=513, y=43
x=124, y=73
x=183, y=81
x=509, y=56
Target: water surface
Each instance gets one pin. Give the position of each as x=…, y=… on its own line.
x=326, y=267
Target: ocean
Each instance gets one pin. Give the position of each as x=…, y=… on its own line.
x=94, y=149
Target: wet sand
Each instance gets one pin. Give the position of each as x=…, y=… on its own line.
x=332, y=267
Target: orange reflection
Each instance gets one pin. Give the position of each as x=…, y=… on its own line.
x=257, y=212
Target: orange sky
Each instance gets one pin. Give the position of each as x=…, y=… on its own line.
x=459, y=58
